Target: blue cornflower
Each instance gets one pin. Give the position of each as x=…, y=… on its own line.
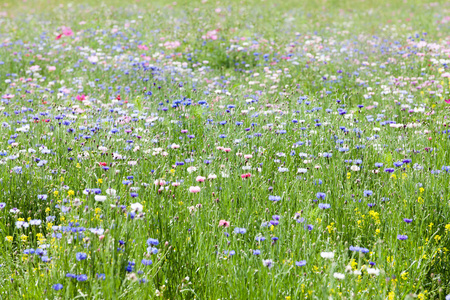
x=147, y=262
x=82, y=277
x=240, y=230
x=402, y=237
x=300, y=263
x=324, y=205
x=81, y=256
x=274, y=198
x=57, y=286
x=152, y=250
x=368, y=193
x=321, y=195
x=153, y=242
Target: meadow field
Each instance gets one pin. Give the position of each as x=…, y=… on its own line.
x=252, y=149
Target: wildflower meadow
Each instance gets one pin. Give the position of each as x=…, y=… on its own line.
x=252, y=149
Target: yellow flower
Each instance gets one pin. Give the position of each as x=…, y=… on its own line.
x=70, y=193
x=391, y=295
x=99, y=181
x=172, y=171
x=421, y=190
x=420, y=200
x=47, y=210
x=437, y=238
x=288, y=297
x=404, y=175
x=78, y=165
x=393, y=176
x=23, y=238
x=447, y=228
x=421, y=296
x=349, y=175
x=55, y=193
x=404, y=275
x=353, y=264
x=9, y=238
x=377, y=231
x=330, y=227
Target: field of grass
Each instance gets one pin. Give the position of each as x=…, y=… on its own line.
x=224, y=149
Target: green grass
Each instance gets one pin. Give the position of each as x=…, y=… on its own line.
x=287, y=44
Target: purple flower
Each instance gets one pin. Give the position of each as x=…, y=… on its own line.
x=268, y=263
x=402, y=237
x=57, y=287
x=368, y=193
x=240, y=230
x=324, y=205
x=300, y=263
x=82, y=277
x=407, y=220
x=147, y=262
x=274, y=198
x=153, y=242
x=321, y=195
x=81, y=256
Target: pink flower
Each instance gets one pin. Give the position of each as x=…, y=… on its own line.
x=172, y=45
x=200, y=179
x=227, y=149
x=81, y=97
x=247, y=175
x=194, y=189
x=160, y=182
x=447, y=101
x=224, y=223
x=143, y=47
x=51, y=68
x=175, y=183
x=67, y=31
x=212, y=35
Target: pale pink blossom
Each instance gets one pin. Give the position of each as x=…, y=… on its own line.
x=224, y=223
x=200, y=179
x=194, y=189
